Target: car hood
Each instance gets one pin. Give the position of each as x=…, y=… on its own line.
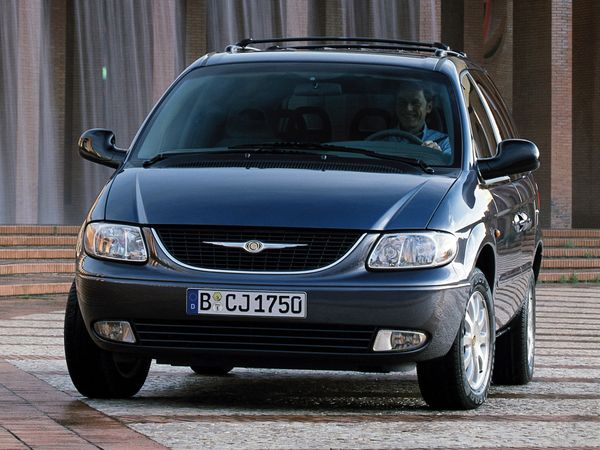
x=297, y=198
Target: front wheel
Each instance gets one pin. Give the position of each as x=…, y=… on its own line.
x=95, y=372
x=461, y=378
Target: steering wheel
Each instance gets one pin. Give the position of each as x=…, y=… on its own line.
x=379, y=135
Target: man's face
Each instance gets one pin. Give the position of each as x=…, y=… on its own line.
x=412, y=108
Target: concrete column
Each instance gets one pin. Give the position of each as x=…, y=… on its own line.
x=28, y=107
x=325, y=18
x=52, y=113
x=430, y=21
x=296, y=17
x=561, y=68
x=164, y=45
x=195, y=30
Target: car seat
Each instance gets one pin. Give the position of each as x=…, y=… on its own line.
x=368, y=121
x=315, y=123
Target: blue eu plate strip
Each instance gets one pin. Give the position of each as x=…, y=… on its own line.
x=192, y=302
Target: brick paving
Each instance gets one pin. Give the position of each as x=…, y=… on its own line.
x=34, y=414
x=39, y=407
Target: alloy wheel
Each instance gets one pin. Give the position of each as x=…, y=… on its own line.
x=476, y=342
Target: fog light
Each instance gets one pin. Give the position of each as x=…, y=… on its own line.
x=398, y=340
x=115, y=331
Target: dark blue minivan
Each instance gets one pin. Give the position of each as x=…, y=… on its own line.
x=314, y=203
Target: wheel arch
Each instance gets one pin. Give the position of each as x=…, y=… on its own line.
x=480, y=253
x=486, y=262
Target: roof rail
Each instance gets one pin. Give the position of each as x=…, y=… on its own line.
x=349, y=42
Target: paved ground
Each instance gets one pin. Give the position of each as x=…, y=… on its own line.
x=39, y=407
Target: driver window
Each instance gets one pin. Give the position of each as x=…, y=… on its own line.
x=496, y=105
x=484, y=136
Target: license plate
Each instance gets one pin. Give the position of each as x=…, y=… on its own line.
x=244, y=303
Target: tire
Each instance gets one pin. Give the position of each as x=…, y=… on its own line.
x=454, y=381
x=515, y=349
x=97, y=373
x=211, y=371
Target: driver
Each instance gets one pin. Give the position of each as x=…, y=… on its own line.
x=413, y=104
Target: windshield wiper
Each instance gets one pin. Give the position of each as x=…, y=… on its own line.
x=255, y=147
x=282, y=146
x=165, y=155
x=294, y=148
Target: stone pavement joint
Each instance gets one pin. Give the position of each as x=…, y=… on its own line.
x=354, y=418
x=250, y=408
x=9, y=441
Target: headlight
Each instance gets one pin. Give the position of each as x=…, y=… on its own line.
x=114, y=241
x=413, y=250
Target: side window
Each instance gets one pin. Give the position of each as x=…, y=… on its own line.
x=496, y=104
x=485, y=134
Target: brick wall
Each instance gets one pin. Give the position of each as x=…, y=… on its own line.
x=488, y=40
x=527, y=47
x=531, y=88
x=453, y=24
x=586, y=114
x=562, y=120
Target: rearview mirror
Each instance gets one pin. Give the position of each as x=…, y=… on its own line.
x=317, y=89
x=98, y=145
x=513, y=156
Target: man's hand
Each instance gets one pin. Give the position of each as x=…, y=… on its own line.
x=431, y=144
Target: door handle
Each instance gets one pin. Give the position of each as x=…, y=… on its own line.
x=521, y=222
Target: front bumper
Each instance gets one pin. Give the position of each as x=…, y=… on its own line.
x=344, y=300
x=331, y=310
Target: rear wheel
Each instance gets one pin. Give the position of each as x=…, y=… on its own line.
x=515, y=349
x=211, y=371
x=95, y=372
x=461, y=378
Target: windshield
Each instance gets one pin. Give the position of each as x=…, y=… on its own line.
x=383, y=109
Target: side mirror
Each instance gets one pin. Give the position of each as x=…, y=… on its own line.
x=513, y=156
x=98, y=145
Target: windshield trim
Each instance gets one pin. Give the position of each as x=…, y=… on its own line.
x=196, y=70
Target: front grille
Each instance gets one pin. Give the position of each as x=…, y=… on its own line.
x=238, y=335
x=323, y=247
